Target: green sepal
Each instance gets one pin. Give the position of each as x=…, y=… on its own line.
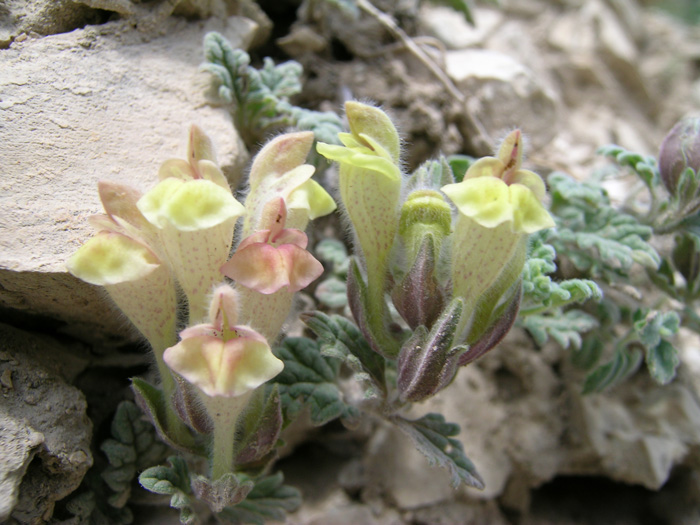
x=374, y=328
x=258, y=428
x=342, y=339
x=459, y=165
x=434, y=438
x=270, y=500
x=151, y=400
x=173, y=481
x=309, y=379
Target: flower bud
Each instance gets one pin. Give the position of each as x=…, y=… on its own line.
x=680, y=150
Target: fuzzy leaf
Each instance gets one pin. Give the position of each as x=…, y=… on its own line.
x=270, y=500
x=309, y=378
x=662, y=361
x=644, y=166
x=341, y=335
x=134, y=447
x=260, y=98
x=433, y=437
x=655, y=326
x=334, y=252
x=226, y=491
x=624, y=363
x=173, y=481
x=540, y=292
x=565, y=328
x=596, y=237
x=332, y=292
x=653, y=329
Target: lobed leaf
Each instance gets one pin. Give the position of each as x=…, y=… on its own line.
x=173, y=481
x=309, y=379
x=565, y=328
x=341, y=338
x=133, y=447
x=433, y=437
x=270, y=500
x=623, y=364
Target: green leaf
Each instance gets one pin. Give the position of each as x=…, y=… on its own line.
x=597, y=238
x=540, y=292
x=173, y=481
x=461, y=6
x=133, y=447
x=332, y=292
x=565, y=328
x=624, y=363
x=225, y=491
x=433, y=437
x=589, y=354
x=259, y=99
x=270, y=500
x=655, y=326
x=342, y=339
x=309, y=378
x=334, y=252
x=643, y=166
x=662, y=361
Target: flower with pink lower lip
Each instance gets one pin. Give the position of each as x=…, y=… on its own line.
x=268, y=260
x=222, y=358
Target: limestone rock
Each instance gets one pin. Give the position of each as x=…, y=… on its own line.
x=45, y=433
x=395, y=469
x=454, y=31
x=503, y=94
x=18, y=445
x=43, y=17
x=101, y=103
x=642, y=433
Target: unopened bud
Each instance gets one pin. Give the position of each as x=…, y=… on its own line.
x=680, y=150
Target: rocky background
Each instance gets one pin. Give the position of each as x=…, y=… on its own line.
x=106, y=90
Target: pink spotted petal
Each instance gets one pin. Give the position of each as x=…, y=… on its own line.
x=291, y=236
x=302, y=267
x=258, y=237
x=200, y=330
x=258, y=266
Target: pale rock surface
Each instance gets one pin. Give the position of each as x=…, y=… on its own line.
x=43, y=17
x=45, y=432
x=399, y=473
x=454, y=31
x=18, y=445
x=504, y=94
x=641, y=433
x=101, y=103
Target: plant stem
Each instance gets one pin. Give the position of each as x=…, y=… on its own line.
x=224, y=412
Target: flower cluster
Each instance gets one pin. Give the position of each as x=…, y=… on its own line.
x=179, y=235
x=448, y=254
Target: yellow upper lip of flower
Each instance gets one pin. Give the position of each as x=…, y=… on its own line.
x=490, y=200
